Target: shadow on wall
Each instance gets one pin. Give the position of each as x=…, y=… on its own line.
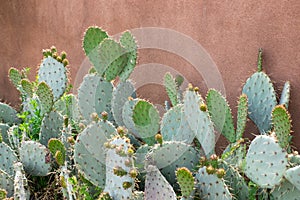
x=231, y=32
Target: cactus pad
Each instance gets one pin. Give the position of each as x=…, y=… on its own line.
x=68, y=105
x=261, y=100
x=146, y=119
x=4, y=135
x=8, y=115
x=45, y=96
x=119, y=97
x=51, y=127
x=55, y=75
x=35, y=158
x=156, y=186
x=55, y=146
x=89, y=151
x=128, y=42
x=175, y=127
x=264, y=153
x=281, y=125
x=186, y=181
x=285, y=191
x=293, y=176
x=221, y=115
x=20, y=183
x=242, y=114
x=15, y=76
x=94, y=95
x=285, y=95
x=27, y=86
x=93, y=36
x=7, y=159
x=7, y=183
x=199, y=121
x=171, y=88
x=211, y=187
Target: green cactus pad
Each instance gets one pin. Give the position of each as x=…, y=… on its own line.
x=8, y=115
x=51, y=127
x=35, y=158
x=45, y=96
x=236, y=183
x=117, y=157
x=171, y=88
x=55, y=145
x=175, y=127
x=128, y=42
x=93, y=36
x=89, y=151
x=119, y=97
x=94, y=95
x=199, y=121
x=286, y=191
x=261, y=100
x=156, y=186
x=7, y=159
x=186, y=181
x=4, y=135
x=54, y=74
x=265, y=153
x=220, y=113
x=293, y=176
x=7, y=183
x=27, y=86
x=146, y=119
x=211, y=187
x=281, y=125
x=20, y=183
x=15, y=76
x=172, y=155
x=242, y=114
x=285, y=95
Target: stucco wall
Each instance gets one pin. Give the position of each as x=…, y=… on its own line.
x=231, y=31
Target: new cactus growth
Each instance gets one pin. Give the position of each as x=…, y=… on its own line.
x=186, y=181
x=281, y=125
x=171, y=88
x=242, y=114
x=58, y=150
x=45, y=97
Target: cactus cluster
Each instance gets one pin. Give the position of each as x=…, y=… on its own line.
x=116, y=144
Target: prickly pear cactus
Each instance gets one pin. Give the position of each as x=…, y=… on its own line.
x=20, y=183
x=175, y=127
x=199, y=121
x=242, y=114
x=89, y=151
x=293, y=176
x=211, y=187
x=7, y=159
x=8, y=115
x=54, y=74
x=58, y=150
x=285, y=191
x=265, y=153
x=45, y=97
x=3, y=133
x=172, y=155
x=127, y=113
x=156, y=186
x=281, y=125
x=35, y=158
x=15, y=77
x=27, y=87
x=171, y=88
x=94, y=95
x=221, y=115
x=7, y=183
x=146, y=120
x=51, y=127
x=68, y=105
x=261, y=98
x=120, y=95
x=120, y=170
x=128, y=42
x=186, y=181
x=93, y=36
x=285, y=95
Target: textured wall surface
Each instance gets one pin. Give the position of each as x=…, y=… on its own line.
x=231, y=31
